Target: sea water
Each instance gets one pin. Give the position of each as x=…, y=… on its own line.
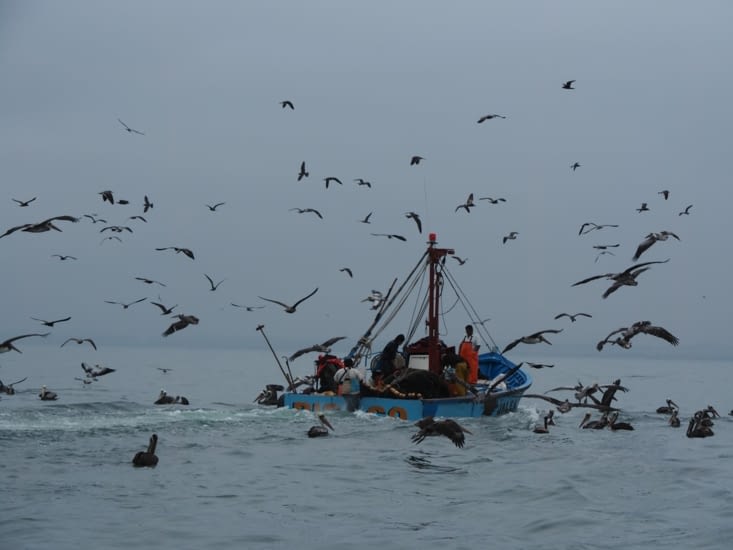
x=232, y=473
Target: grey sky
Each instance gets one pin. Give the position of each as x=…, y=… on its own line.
x=373, y=84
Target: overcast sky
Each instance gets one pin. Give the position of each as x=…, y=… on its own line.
x=373, y=83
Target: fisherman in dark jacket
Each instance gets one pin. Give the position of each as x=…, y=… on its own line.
x=390, y=360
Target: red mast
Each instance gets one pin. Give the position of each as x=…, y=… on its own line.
x=435, y=255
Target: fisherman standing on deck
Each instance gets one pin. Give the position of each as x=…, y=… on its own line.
x=469, y=351
x=349, y=378
x=390, y=361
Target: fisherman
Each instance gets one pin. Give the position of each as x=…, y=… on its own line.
x=469, y=351
x=349, y=378
x=327, y=366
x=390, y=360
x=457, y=370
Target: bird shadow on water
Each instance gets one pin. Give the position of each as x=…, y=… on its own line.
x=425, y=465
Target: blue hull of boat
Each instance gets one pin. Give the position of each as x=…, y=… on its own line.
x=497, y=403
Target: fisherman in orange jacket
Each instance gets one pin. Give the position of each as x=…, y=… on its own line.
x=469, y=351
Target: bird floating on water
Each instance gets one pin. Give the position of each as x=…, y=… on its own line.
x=322, y=430
x=148, y=457
x=47, y=395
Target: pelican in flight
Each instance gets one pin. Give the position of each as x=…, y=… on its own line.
x=289, y=309
x=390, y=236
x=325, y=347
x=7, y=345
x=40, y=227
x=625, y=278
x=534, y=338
x=183, y=322
x=213, y=207
x=650, y=239
x=415, y=217
x=640, y=327
x=164, y=310
x=125, y=306
x=448, y=428
x=467, y=205
x=510, y=237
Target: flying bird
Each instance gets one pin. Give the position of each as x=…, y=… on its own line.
x=605, y=246
x=568, y=85
x=306, y=210
x=686, y=211
x=25, y=203
x=149, y=281
x=447, y=428
x=460, y=260
x=40, y=227
x=125, y=306
x=510, y=237
x=138, y=218
x=79, y=341
x=575, y=166
x=415, y=160
x=164, y=310
x=390, y=236
x=110, y=238
x=303, y=173
x=534, y=338
x=130, y=130
x=366, y=219
x=62, y=257
x=164, y=369
x=94, y=219
x=107, y=196
x=643, y=208
x=215, y=206
x=415, y=217
x=51, y=323
x=91, y=373
x=211, y=282
x=183, y=322
x=7, y=345
x=347, y=271
x=640, y=327
x=488, y=117
x=467, y=205
x=289, y=309
x=325, y=347
x=116, y=229
x=376, y=298
x=330, y=179
x=572, y=316
x=664, y=193
x=186, y=251
x=593, y=226
x=602, y=252
x=287, y=103
x=147, y=205
x=360, y=181
x=625, y=278
x=248, y=308
x=650, y=239
x=492, y=200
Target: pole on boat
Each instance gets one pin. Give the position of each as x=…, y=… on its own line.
x=287, y=378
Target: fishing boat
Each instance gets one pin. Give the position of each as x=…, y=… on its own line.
x=428, y=385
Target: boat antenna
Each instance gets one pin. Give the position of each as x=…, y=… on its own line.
x=288, y=379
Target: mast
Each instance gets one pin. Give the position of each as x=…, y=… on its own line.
x=435, y=256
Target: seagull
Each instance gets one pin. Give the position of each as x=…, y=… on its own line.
x=125, y=306
x=415, y=217
x=605, y=246
x=40, y=227
x=625, y=278
x=360, y=181
x=214, y=207
x=686, y=211
x=650, y=239
x=592, y=227
x=116, y=228
x=664, y=193
x=7, y=345
x=627, y=333
x=51, y=323
x=602, y=252
x=329, y=179
x=79, y=341
x=376, y=298
x=186, y=251
x=325, y=347
x=164, y=310
x=287, y=103
x=537, y=365
x=147, y=205
x=289, y=309
x=138, y=218
x=467, y=205
x=510, y=237
x=211, y=282
x=460, y=261
x=25, y=203
x=302, y=173
x=568, y=85
x=643, y=208
x=149, y=281
x=8, y=388
x=448, y=428
x=110, y=238
x=94, y=220
x=492, y=200
x=415, y=160
x=248, y=308
x=572, y=316
x=164, y=369
x=566, y=405
x=347, y=271
x=534, y=338
x=575, y=166
x=62, y=257
x=107, y=196
x=488, y=117
x=130, y=130
x=183, y=322
x=305, y=210
x=390, y=236
x=366, y=219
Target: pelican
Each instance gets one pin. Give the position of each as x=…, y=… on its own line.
x=534, y=338
x=164, y=310
x=376, y=298
x=147, y=205
x=325, y=347
x=466, y=205
x=542, y=428
x=40, y=227
x=8, y=388
x=149, y=281
x=575, y=166
x=7, y=345
x=183, y=322
x=390, y=236
x=639, y=327
x=330, y=179
x=696, y=428
x=669, y=408
x=322, y=430
x=686, y=211
x=566, y=405
x=460, y=261
x=664, y=193
x=625, y=278
x=47, y=395
x=448, y=428
x=347, y=271
x=147, y=458
x=643, y=208
x=125, y=305
x=599, y=424
x=492, y=200
x=593, y=226
x=289, y=309
x=674, y=420
x=613, y=425
x=79, y=341
x=62, y=257
x=650, y=239
x=361, y=181
x=366, y=218
x=269, y=396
